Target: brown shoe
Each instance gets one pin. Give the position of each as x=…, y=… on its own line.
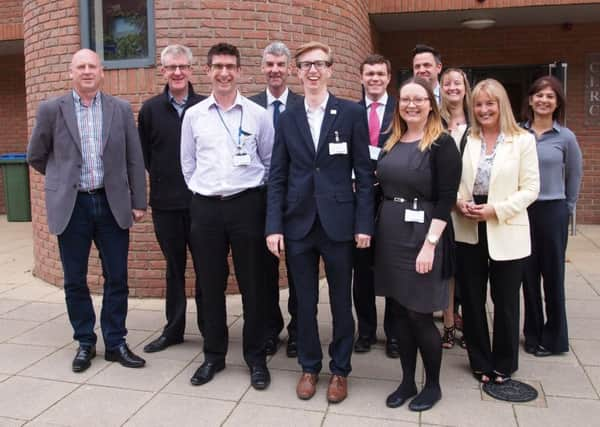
x=307, y=385
x=338, y=389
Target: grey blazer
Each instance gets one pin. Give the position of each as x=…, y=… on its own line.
x=55, y=151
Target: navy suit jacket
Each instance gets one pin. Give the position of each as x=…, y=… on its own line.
x=304, y=183
x=261, y=98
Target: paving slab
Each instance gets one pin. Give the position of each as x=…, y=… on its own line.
x=272, y=416
x=11, y=422
x=560, y=412
x=16, y=357
x=229, y=384
x=336, y=420
x=8, y=305
x=558, y=380
x=55, y=333
x=57, y=366
x=37, y=311
x=10, y=328
x=586, y=351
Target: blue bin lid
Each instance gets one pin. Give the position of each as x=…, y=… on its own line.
x=13, y=156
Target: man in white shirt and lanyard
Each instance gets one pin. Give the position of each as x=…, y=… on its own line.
x=427, y=63
x=226, y=143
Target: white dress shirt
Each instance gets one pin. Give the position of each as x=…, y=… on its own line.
x=380, y=108
x=271, y=99
x=209, y=140
x=315, y=119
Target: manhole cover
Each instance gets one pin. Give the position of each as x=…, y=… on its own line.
x=511, y=391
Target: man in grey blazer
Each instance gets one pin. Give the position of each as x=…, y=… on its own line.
x=87, y=146
x=276, y=65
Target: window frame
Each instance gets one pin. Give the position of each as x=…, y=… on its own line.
x=84, y=27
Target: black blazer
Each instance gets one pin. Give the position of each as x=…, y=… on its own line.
x=388, y=115
x=304, y=183
x=261, y=98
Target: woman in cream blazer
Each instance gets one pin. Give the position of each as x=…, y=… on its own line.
x=500, y=179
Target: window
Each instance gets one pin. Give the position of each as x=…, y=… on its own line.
x=120, y=31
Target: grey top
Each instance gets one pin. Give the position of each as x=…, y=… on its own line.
x=561, y=165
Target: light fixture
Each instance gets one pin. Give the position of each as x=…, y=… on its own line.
x=478, y=24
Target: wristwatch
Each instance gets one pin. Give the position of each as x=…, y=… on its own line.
x=433, y=238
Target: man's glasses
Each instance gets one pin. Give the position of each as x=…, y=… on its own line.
x=319, y=65
x=173, y=68
x=417, y=101
x=221, y=67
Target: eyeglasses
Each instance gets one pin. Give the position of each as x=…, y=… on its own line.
x=417, y=101
x=319, y=65
x=221, y=67
x=173, y=68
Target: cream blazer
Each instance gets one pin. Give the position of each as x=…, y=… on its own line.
x=514, y=185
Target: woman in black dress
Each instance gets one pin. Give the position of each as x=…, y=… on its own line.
x=419, y=171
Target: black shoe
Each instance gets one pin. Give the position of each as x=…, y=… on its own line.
x=425, y=400
x=541, y=351
x=83, y=358
x=160, y=344
x=259, y=377
x=398, y=397
x=363, y=344
x=206, y=372
x=530, y=348
x=271, y=345
x=392, y=348
x=124, y=356
x=291, y=349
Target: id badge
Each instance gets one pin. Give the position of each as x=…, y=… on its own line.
x=336, y=148
x=374, y=152
x=241, y=159
x=411, y=215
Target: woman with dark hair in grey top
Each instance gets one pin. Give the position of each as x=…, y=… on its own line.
x=560, y=165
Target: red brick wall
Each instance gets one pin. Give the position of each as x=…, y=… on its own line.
x=13, y=115
x=51, y=32
x=525, y=45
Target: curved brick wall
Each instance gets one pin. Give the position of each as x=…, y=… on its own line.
x=51, y=33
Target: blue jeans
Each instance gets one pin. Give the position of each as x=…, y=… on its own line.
x=92, y=220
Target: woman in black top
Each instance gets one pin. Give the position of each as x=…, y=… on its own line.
x=419, y=172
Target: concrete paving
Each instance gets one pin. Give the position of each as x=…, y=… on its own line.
x=38, y=388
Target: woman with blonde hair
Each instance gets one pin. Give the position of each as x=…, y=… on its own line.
x=454, y=109
x=500, y=178
x=419, y=171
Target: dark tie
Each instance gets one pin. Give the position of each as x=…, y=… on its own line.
x=276, y=113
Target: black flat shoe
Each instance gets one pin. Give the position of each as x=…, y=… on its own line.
x=398, y=397
x=530, y=348
x=125, y=357
x=271, y=345
x=363, y=344
x=206, y=372
x=392, y=348
x=541, y=351
x=425, y=400
x=83, y=358
x=291, y=349
x=160, y=344
x=260, y=377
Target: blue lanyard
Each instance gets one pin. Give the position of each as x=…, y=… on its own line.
x=239, y=136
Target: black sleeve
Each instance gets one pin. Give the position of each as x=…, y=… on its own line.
x=446, y=168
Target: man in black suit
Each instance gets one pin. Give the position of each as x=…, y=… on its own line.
x=159, y=126
x=276, y=66
x=375, y=75
x=312, y=205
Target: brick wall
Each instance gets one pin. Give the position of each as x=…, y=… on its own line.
x=524, y=45
x=13, y=115
x=51, y=36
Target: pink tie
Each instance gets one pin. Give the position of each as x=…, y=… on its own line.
x=374, y=125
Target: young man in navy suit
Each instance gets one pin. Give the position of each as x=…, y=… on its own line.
x=312, y=207
x=375, y=75
x=276, y=65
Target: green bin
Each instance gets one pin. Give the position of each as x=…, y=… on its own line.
x=16, y=186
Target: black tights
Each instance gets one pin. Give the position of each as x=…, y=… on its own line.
x=417, y=331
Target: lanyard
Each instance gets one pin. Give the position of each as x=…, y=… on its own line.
x=239, y=136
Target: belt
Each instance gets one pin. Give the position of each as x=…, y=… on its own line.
x=231, y=196
x=93, y=192
x=396, y=199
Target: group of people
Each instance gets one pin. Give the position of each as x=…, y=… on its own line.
x=421, y=198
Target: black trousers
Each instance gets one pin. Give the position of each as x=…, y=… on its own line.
x=363, y=292
x=549, y=234
x=172, y=229
x=474, y=267
x=217, y=226
x=303, y=257
x=274, y=316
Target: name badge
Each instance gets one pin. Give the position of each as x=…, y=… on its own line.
x=414, y=216
x=242, y=159
x=338, y=148
x=374, y=152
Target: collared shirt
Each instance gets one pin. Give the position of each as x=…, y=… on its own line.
x=560, y=163
x=179, y=106
x=315, y=119
x=271, y=99
x=209, y=140
x=89, y=123
x=380, y=108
